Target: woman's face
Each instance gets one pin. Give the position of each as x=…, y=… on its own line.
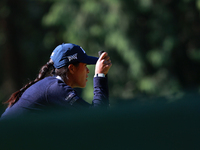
x=80, y=75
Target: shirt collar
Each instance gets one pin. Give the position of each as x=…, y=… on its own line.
x=59, y=78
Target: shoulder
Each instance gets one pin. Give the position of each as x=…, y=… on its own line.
x=58, y=90
x=57, y=85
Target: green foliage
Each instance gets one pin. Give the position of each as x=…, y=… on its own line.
x=98, y=25
x=153, y=45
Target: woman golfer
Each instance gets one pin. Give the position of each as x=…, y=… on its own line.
x=68, y=63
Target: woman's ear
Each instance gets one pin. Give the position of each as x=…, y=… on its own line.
x=71, y=68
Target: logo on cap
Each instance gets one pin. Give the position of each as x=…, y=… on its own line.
x=72, y=57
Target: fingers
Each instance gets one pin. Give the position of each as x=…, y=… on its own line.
x=103, y=64
x=103, y=55
x=105, y=58
x=108, y=64
x=107, y=61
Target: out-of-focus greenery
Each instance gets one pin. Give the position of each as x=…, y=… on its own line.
x=154, y=45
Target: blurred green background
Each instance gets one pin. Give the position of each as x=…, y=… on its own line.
x=153, y=44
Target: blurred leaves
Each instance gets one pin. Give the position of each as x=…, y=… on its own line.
x=140, y=36
x=153, y=44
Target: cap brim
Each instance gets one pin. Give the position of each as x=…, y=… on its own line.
x=90, y=60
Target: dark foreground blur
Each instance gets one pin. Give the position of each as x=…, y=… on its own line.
x=134, y=125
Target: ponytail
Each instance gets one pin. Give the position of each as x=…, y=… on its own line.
x=42, y=74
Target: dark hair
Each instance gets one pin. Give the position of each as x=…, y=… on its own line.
x=42, y=74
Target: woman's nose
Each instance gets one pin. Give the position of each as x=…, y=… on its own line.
x=87, y=70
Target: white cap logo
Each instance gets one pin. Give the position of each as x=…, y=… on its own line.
x=72, y=57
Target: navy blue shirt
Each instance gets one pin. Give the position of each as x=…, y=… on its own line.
x=52, y=92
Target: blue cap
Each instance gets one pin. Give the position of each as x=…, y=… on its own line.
x=68, y=53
